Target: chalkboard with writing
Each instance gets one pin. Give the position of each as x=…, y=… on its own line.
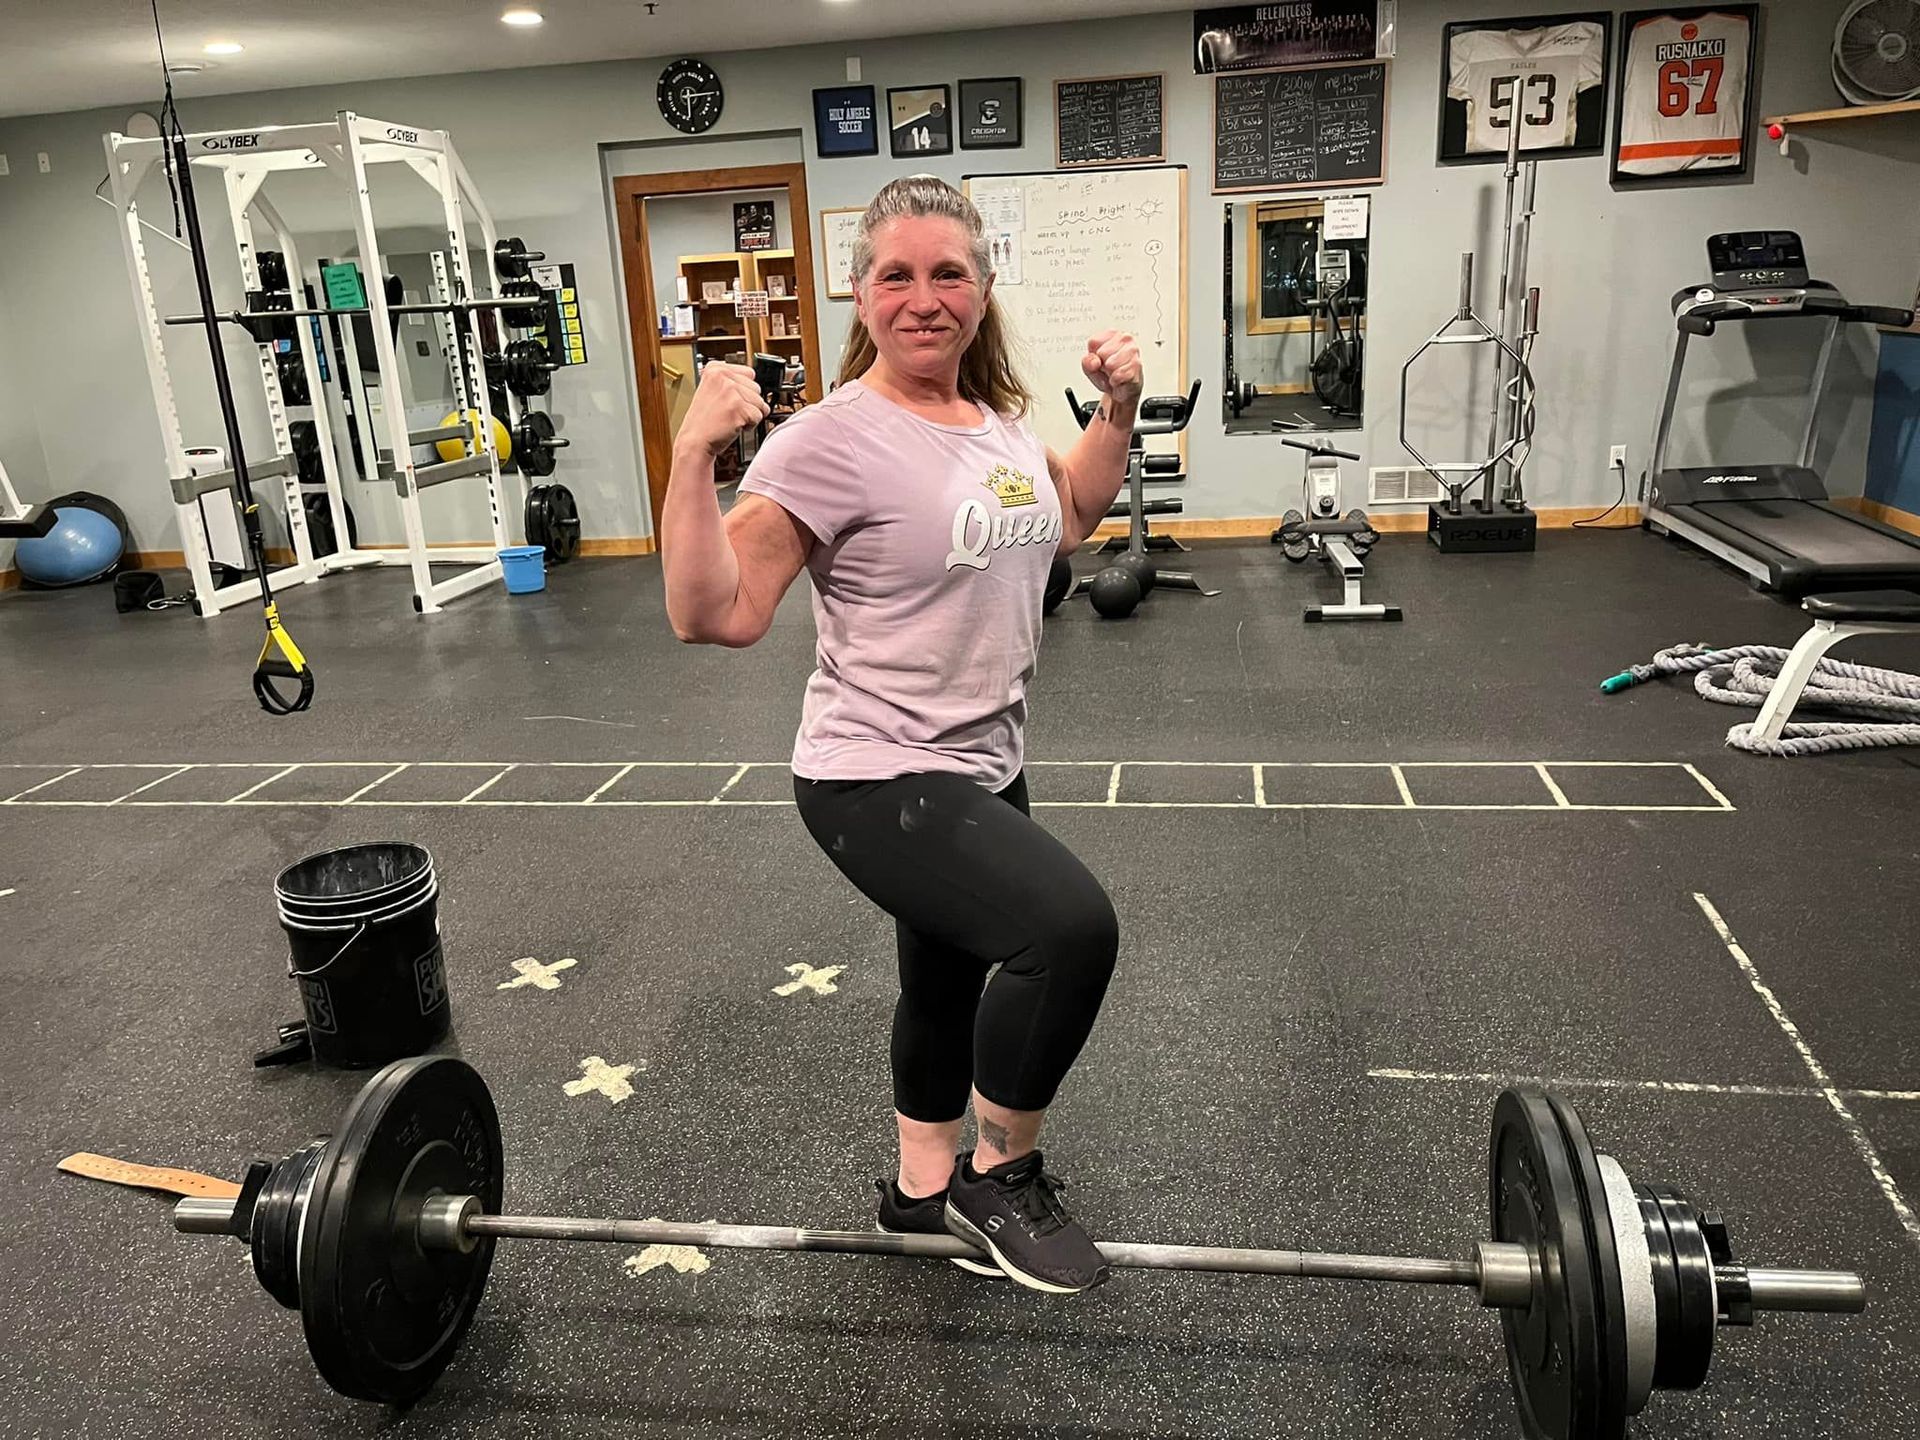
x=1110, y=121
x=1289, y=128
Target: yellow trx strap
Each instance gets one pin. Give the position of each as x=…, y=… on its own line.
x=287, y=664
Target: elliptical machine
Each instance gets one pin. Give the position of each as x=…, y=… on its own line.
x=1118, y=588
x=1319, y=529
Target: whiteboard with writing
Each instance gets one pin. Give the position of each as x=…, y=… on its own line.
x=838, y=230
x=1096, y=250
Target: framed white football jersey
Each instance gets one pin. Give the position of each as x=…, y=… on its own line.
x=1536, y=74
x=1683, y=92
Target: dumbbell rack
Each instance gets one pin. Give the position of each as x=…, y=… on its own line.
x=348, y=146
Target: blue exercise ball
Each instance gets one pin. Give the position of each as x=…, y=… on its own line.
x=83, y=545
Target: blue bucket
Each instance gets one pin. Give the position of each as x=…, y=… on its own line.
x=525, y=568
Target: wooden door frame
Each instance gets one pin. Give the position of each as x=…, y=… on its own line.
x=631, y=192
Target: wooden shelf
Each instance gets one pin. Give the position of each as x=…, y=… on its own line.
x=1849, y=112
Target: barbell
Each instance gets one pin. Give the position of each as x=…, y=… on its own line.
x=382, y=1237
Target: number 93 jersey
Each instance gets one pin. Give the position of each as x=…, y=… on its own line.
x=1683, y=106
x=1541, y=71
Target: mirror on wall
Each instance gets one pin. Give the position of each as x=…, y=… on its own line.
x=1295, y=310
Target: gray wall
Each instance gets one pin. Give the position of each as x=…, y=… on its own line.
x=702, y=225
x=542, y=149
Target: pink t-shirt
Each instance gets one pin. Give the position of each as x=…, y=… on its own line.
x=931, y=549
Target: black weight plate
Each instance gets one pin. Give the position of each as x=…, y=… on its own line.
x=563, y=524
x=1684, y=1348
x=533, y=444
x=1611, y=1307
x=383, y=1316
x=277, y=1211
x=1554, y=1344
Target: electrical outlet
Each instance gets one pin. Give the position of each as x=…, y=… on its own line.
x=1617, y=458
x=46, y=165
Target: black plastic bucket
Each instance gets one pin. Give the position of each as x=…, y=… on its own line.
x=363, y=936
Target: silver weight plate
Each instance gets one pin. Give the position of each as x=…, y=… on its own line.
x=1636, y=1280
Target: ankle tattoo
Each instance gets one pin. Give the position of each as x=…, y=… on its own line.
x=993, y=1136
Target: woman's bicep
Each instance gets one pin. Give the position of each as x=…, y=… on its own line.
x=771, y=547
x=1070, y=536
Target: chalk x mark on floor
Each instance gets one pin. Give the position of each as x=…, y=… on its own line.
x=805, y=977
x=1834, y=1098
x=530, y=972
x=683, y=1259
x=597, y=1075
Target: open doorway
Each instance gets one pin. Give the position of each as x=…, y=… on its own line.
x=678, y=237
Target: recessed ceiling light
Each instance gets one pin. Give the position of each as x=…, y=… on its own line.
x=524, y=18
x=225, y=47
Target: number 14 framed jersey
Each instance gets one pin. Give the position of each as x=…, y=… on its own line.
x=1686, y=93
x=1542, y=75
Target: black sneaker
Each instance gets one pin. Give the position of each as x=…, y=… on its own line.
x=1014, y=1212
x=902, y=1215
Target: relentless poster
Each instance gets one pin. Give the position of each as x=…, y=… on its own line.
x=1295, y=32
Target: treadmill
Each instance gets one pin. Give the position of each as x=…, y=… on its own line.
x=1772, y=521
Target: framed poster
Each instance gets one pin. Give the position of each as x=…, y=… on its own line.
x=920, y=121
x=990, y=114
x=844, y=121
x=753, y=225
x=1548, y=73
x=837, y=230
x=1686, y=93
x=1259, y=37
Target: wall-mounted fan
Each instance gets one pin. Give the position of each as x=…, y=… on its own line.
x=1876, y=51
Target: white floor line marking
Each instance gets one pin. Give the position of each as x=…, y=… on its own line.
x=1113, y=782
x=1260, y=786
x=1559, y=795
x=716, y=802
x=1815, y=1069
x=1400, y=783
x=5, y=893
x=375, y=784
x=732, y=780
x=42, y=785
x=151, y=783
x=487, y=784
x=617, y=777
x=1709, y=787
x=1675, y=1087
x=585, y=720
x=231, y=799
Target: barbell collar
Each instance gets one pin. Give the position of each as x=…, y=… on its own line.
x=1830, y=1292
x=204, y=1215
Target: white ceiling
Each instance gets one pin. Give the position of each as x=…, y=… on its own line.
x=79, y=54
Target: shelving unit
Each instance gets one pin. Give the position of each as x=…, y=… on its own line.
x=769, y=264
x=1785, y=125
x=735, y=271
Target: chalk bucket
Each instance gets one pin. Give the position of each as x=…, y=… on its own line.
x=524, y=568
x=363, y=938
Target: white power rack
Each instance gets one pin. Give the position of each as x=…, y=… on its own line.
x=346, y=146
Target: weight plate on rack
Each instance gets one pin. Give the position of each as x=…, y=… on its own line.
x=382, y=1315
x=552, y=520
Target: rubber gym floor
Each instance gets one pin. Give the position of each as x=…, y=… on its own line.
x=1315, y=1007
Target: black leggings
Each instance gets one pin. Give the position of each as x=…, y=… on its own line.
x=972, y=882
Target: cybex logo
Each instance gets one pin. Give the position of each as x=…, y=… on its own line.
x=231, y=142
x=395, y=132
x=1729, y=479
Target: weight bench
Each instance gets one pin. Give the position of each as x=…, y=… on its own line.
x=1339, y=543
x=1835, y=618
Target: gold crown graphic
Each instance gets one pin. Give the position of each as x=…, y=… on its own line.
x=1011, y=486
